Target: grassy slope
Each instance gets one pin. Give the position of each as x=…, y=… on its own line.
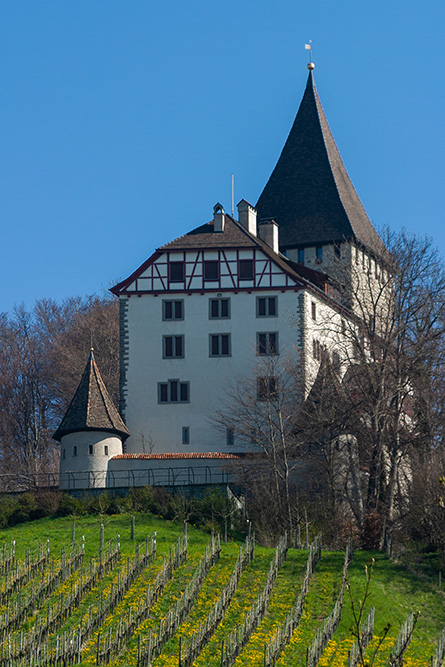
x=394, y=591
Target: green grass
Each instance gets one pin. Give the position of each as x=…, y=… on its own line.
x=394, y=592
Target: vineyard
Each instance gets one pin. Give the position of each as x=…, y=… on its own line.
x=138, y=591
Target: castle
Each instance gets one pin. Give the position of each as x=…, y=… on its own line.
x=214, y=306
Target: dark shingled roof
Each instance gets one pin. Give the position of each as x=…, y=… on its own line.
x=309, y=193
x=233, y=236
x=91, y=408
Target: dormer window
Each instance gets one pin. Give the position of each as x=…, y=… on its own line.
x=319, y=254
x=301, y=255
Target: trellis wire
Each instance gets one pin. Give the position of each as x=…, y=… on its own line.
x=114, y=641
x=26, y=648
x=25, y=605
x=279, y=641
x=402, y=642
x=7, y=559
x=330, y=624
x=438, y=659
x=20, y=573
x=359, y=646
x=151, y=647
x=233, y=645
x=190, y=651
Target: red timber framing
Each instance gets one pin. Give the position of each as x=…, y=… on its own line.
x=157, y=273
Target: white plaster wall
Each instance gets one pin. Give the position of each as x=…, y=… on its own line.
x=327, y=329
x=96, y=462
x=160, y=425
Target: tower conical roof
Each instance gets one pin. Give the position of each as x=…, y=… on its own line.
x=309, y=193
x=91, y=408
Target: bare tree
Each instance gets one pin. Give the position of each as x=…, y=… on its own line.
x=261, y=412
x=392, y=352
x=42, y=355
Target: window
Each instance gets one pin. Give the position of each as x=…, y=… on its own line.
x=336, y=362
x=173, y=347
x=173, y=310
x=267, y=343
x=266, y=306
x=219, y=309
x=63, y=453
x=319, y=254
x=337, y=251
x=246, y=269
x=173, y=391
x=106, y=450
x=266, y=388
x=211, y=271
x=176, y=272
x=314, y=310
x=316, y=351
x=90, y=449
x=219, y=345
x=185, y=435
x=230, y=437
x=301, y=255
x=75, y=450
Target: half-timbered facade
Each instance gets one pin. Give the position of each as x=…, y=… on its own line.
x=202, y=313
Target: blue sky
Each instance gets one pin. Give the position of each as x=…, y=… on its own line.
x=121, y=122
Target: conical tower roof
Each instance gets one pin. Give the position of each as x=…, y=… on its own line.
x=91, y=408
x=309, y=193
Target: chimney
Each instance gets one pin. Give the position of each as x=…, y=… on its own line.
x=247, y=216
x=268, y=232
x=218, y=218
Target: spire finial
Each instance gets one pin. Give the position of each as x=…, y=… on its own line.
x=308, y=47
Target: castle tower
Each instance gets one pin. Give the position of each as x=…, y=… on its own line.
x=322, y=222
x=90, y=434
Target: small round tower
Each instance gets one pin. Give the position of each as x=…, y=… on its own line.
x=91, y=433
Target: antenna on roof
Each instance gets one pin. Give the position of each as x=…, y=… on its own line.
x=308, y=47
x=233, y=194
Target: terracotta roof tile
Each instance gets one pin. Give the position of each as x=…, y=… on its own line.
x=181, y=456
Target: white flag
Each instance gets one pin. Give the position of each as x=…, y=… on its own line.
x=307, y=47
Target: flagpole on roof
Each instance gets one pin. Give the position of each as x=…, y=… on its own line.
x=308, y=47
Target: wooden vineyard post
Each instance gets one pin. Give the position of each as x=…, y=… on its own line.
x=222, y=653
x=132, y=527
x=139, y=650
x=97, y=649
x=180, y=651
x=101, y=546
